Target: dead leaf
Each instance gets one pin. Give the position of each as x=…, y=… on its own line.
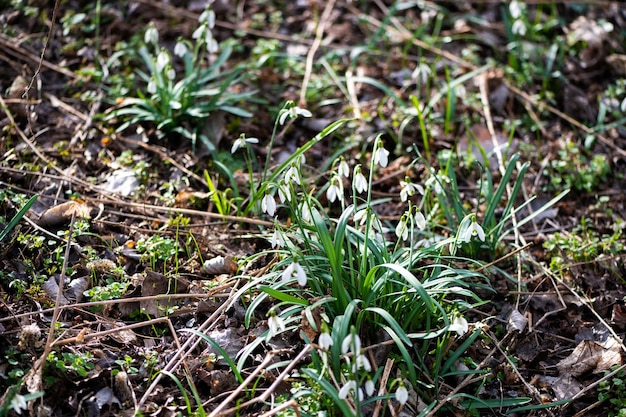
x=158, y=284
x=220, y=265
x=517, y=321
x=590, y=356
x=63, y=212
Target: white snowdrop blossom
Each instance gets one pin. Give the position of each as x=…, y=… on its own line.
x=474, y=229
x=292, y=175
x=402, y=229
x=515, y=9
x=420, y=221
x=152, y=87
x=242, y=142
x=335, y=190
x=163, y=59
x=18, y=403
x=199, y=32
x=459, y=325
x=325, y=340
x=519, y=27
x=211, y=44
x=292, y=113
x=360, y=217
x=343, y=168
x=208, y=17
x=381, y=155
x=350, y=386
x=422, y=73
x=180, y=49
x=361, y=362
x=284, y=193
x=409, y=189
x=402, y=394
x=360, y=182
x=307, y=212
x=351, y=343
x=268, y=204
x=276, y=325
x=295, y=268
x=435, y=182
x=171, y=73
x=277, y=240
x=369, y=387
x=151, y=35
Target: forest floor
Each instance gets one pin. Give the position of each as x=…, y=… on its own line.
x=136, y=200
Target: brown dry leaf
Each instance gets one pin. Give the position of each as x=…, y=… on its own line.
x=220, y=265
x=590, y=356
x=158, y=284
x=63, y=212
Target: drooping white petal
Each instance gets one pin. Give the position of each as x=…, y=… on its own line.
x=268, y=205
x=325, y=340
x=402, y=394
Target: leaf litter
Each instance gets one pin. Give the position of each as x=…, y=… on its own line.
x=554, y=334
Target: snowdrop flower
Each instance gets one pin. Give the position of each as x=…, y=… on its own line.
x=351, y=343
x=359, y=180
x=152, y=87
x=435, y=181
x=409, y=189
x=292, y=113
x=277, y=240
x=515, y=9
x=151, y=35
x=362, y=362
x=211, y=44
x=284, y=193
x=199, y=32
x=335, y=190
x=422, y=72
x=325, y=340
x=402, y=229
x=420, y=221
x=459, y=325
x=343, y=168
x=295, y=268
x=242, y=142
x=171, y=73
x=268, y=204
x=381, y=155
x=163, y=59
x=350, y=386
x=306, y=212
x=208, y=17
x=474, y=229
x=360, y=217
x=402, y=394
x=369, y=387
x=519, y=28
x=18, y=403
x=292, y=175
x=276, y=324
x=180, y=50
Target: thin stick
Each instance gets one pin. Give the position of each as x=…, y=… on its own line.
x=319, y=34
